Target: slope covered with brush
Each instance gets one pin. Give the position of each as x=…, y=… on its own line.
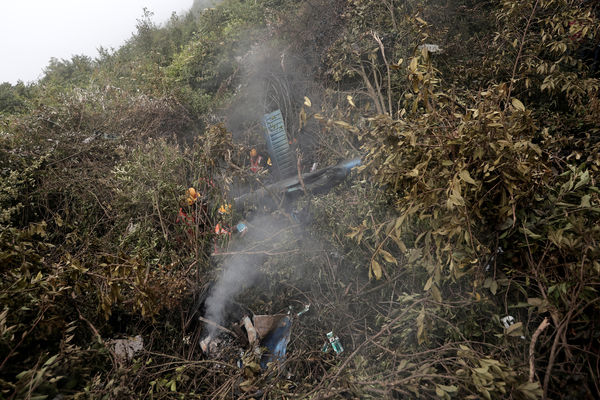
x=477, y=123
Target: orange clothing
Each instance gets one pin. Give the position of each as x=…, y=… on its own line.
x=255, y=163
x=220, y=230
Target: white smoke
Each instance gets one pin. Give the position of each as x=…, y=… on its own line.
x=244, y=258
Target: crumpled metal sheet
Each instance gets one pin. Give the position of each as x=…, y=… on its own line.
x=274, y=331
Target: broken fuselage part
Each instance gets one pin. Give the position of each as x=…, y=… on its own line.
x=320, y=181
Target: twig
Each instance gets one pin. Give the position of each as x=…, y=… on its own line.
x=299, y=157
x=162, y=224
x=208, y=321
x=514, y=71
x=370, y=90
x=534, y=339
x=387, y=66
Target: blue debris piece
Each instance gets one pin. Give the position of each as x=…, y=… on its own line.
x=241, y=227
x=277, y=142
x=320, y=181
x=276, y=342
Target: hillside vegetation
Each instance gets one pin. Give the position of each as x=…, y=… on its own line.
x=478, y=125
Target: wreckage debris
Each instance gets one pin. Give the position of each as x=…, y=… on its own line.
x=276, y=338
x=319, y=181
x=241, y=228
x=251, y=331
x=268, y=332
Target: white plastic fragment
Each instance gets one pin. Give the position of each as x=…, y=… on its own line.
x=431, y=48
x=507, y=321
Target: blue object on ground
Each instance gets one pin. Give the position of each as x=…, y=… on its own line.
x=241, y=227
x=277, y=142
x=276, y=342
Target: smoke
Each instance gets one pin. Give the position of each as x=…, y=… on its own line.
x=266, y=235
x=271, y=76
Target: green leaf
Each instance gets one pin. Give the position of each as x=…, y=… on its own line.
x=585, y=201
x=531, y=234
x=413, y=65
x=50, y=360
x=517, y=104
x=421, y=334
x=466, y=177
x=375, y=270
x=531, y=390
x=584, y=179
x=435, y=293
x=388, y=257
x=448, y=389
x=494, y=287
x=515, y=329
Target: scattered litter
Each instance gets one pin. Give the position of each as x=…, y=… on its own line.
x=240, y=361
x=335, y=343
x=492, y=259
x=125, y=349
x=306, y=308
x=314, y=167
x=431, y=48
x=508, y=321
x=241, y=228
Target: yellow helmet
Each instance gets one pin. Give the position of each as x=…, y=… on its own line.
x=253, y=153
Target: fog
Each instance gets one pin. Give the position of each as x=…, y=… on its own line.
x=33, y=31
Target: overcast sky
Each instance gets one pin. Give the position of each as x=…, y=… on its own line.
x=33, y=31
